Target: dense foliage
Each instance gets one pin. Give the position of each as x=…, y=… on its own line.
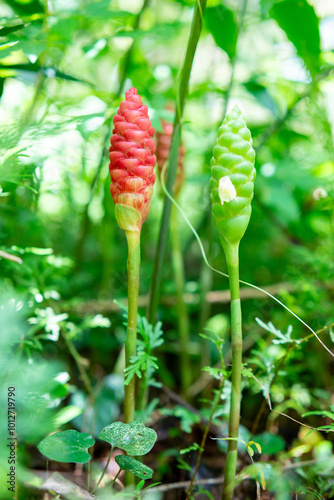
x=64, y=68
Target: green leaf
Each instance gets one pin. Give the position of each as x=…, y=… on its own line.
x=2, y=84
x=101, y=10
x=325, y=413
x=301, y=25
x=35, y=250
x=183, y=465
x=282, y=338
x=67, y=414
x=132, y=465
x=67, y=446
x=140, y=485
x=187, y=417
x=216, y=373
x=134, y=438
x=262, y=95
x=207, y=493
x=35, y=68
x=331, y=334
x=222, y=25
x=327, y=428
x=269, y=443
x=6, y=30
x=8, y=45
x=193, y=447
x=249, y=447
x=246, y=371
x=26, y=7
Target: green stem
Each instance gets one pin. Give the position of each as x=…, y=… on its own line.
x=78, y=361
x=104, y=470
x=195, y=32
x=205, y=435
x=88, y=422
x=89, y=474
x=182, y=313
x=143, y=392
x=206, y=278
x=116, y=477
x=232, y=259
x=133, y=238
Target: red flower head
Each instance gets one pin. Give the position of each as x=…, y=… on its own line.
x=132, y=161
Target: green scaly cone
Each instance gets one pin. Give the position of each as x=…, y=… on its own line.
x=232, y=181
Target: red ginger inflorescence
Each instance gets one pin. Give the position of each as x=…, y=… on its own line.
x=132, y=161
x=164, y=140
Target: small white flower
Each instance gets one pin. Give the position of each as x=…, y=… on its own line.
x=319, y=193
x=226, y=190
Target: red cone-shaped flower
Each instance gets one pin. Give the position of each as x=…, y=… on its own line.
x=164, y=140
x=132, y=161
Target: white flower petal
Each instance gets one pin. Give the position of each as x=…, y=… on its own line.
x=226, y=190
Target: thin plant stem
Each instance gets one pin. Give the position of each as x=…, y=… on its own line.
x=9, y=256
x=87, y=425
x=206, y=279
x=133, y=238
x=104, y=470
x=232, y=260
x=143, y=391
x=206, y=430
x=115, y=478
x=195, y=32
x=78, y=361
x=182, y=312
x=205, y=435
x=89, y=471
x=143, y=386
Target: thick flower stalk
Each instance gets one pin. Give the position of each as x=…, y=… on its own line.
x=232, y=189
x=164, y=140
x=131, y=166
x=132, y=161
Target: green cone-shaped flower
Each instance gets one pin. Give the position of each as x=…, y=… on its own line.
x=232, y=181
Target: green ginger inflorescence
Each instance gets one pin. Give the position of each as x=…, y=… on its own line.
x=232, y=181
